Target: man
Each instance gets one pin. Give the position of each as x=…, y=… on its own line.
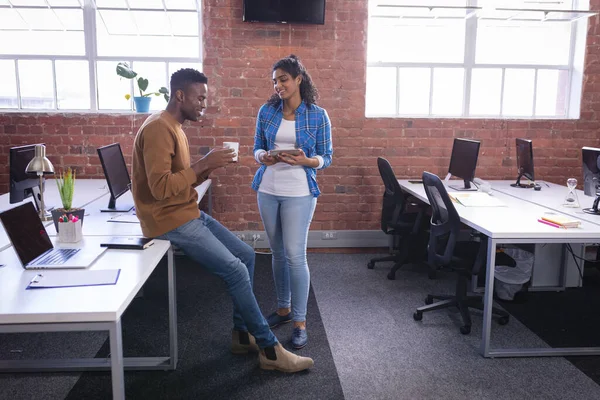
x=166, y=205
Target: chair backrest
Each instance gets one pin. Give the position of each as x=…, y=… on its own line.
x=445, y=222
x=394, y=199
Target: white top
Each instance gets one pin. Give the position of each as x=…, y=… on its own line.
x=282, y=179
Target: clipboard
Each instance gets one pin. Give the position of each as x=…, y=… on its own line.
x=74, y=278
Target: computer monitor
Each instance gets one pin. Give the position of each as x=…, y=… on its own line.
x=464, y=161
x=116, y=174
x=591, y=176
x=524, y=163
x=22, y=184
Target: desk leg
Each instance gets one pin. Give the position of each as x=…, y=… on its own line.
x=488, y=298
x=172, y=311
x=116, y=361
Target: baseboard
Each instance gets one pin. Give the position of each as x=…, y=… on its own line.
x=325, y=239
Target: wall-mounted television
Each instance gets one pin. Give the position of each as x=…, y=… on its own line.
x=287, y=11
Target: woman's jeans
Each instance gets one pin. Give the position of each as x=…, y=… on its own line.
x=286, y=221
x=219, y=251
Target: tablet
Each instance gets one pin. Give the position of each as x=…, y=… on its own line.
x=276, y=152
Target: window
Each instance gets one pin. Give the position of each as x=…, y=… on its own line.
x=62, y=54
x=475, y=58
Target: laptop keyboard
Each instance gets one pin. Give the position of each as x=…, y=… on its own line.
x=56, y=257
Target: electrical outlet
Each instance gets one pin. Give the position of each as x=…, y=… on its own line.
x=256, y=237
x=241, y=236
x=330, y=235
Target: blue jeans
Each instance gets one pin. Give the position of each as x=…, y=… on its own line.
x=219, y=251
x=286, y=221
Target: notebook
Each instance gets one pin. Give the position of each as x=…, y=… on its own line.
x=562, y=220
x=73, y=278
x=128, y=243
x=33, y=246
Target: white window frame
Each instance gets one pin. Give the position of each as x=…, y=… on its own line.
x=91, y=56
x=574, y=68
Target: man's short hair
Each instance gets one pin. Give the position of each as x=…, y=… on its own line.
x=182, y=78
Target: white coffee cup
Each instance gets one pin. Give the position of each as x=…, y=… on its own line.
x=233, y=145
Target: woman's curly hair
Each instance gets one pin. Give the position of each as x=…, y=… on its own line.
x=292, y=65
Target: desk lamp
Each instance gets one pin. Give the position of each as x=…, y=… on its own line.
x=41, y=166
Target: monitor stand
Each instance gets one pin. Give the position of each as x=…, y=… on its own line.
x=522, y=185
x=465, y=187
x=112, y=207
x=594, y=210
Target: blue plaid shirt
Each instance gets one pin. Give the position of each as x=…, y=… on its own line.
x=313, y=136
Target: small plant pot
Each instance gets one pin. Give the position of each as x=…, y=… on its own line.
x=59, y=212
x=142, y=104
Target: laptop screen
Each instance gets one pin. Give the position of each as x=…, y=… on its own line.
x=26, y=232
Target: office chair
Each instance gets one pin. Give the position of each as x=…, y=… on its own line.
x=396, y=221
x=464, y=258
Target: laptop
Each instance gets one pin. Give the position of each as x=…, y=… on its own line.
x=33, y=246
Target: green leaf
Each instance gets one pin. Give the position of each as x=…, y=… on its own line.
x=125, y=71
x=142, y=84
x=163, y=90
x=167, y=97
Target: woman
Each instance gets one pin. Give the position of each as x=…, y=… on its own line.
x=287, y=186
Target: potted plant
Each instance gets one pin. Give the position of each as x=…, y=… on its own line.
x=142, y=102
x=65, y=181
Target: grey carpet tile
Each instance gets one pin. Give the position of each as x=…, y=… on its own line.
x=382, y=353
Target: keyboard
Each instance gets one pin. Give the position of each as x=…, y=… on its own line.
x=56, y=257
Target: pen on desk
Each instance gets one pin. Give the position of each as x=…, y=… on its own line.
x=550, y=223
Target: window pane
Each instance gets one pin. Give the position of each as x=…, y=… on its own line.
x=66, y=43
x=414, y=91
x=486, y=91
x=173, y=66
x=112, y=88
x=146, y=4
x=551, y=93
x=156, y=74
x=10, y=19
x=152, y=23
x=111, y=3
x=72, y=85
x=381, y=91
x=184, y=23
x=40, y=19
x=416, y=40
x=181, y=4
x=519, y=42
x=447, y=91
x=35, y=80
x=8, y=84
x=64, y=3
x=518, y=92
x=117, y=35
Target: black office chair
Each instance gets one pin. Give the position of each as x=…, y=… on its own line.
x=465, y=258
x=396, y=220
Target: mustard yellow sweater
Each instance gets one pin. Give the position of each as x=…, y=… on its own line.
x=162, y=179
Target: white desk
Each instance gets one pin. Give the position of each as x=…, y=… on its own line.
x=515, y=223
x=551, y=196
x=95, y=222
x=91, y=308
x=86, y=191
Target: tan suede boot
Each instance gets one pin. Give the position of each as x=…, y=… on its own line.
x=280, y=359
x=243, y=343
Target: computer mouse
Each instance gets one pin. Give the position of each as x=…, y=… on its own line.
x=537, y=187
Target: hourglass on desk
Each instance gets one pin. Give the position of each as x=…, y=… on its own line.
x=571, y=199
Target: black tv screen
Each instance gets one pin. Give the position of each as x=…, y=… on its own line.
x=298, y=11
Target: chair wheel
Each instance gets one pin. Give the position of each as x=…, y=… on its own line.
x=418, y=315
x=391, y=276
x=503, y=320
x=465, y=330
x=429, y=300
x=371, y=265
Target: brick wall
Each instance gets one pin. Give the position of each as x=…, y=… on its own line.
x=238, y=57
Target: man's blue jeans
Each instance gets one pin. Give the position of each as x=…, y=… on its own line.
x=219, y=251
x=286, y=220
